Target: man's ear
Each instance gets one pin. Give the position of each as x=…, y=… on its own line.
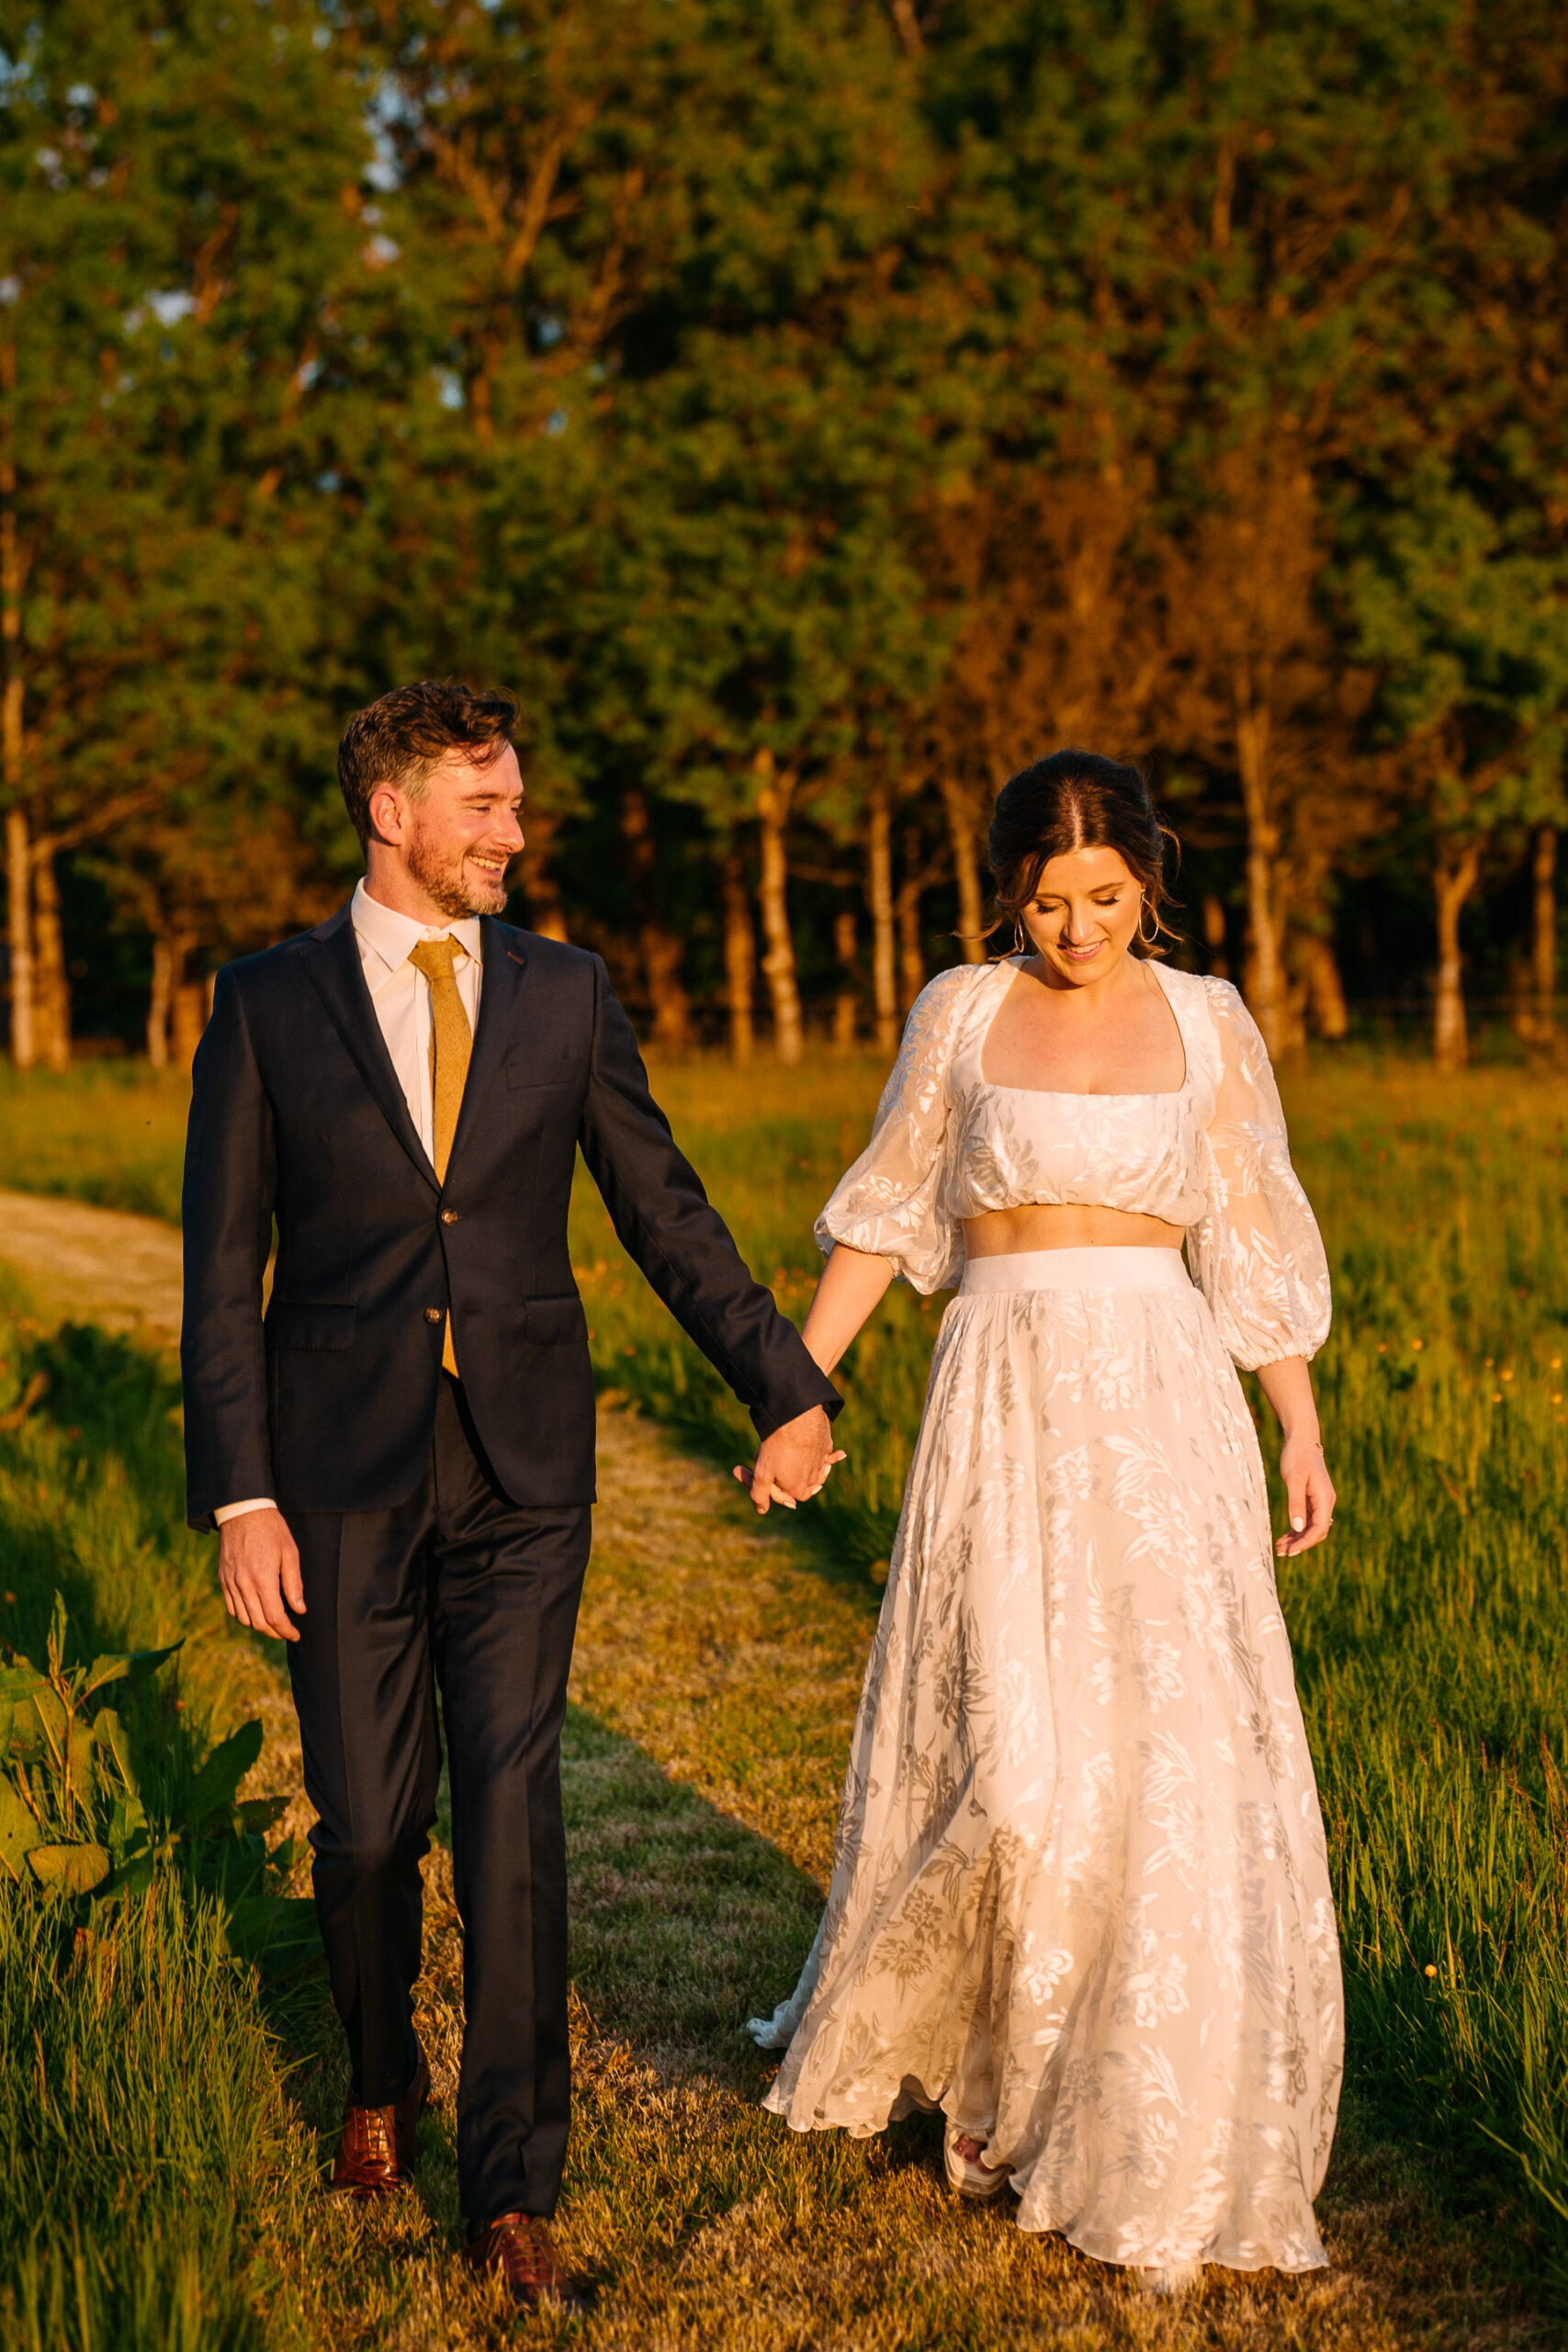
x=385, y=810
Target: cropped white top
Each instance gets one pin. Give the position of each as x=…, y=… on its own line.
x=1213, y=1157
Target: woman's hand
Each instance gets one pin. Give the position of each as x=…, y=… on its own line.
x=1309, y=1489
x=792, y=1464
x=1309, y=1495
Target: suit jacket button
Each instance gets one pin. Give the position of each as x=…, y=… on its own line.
x=433, y=1314
x=449, y=1216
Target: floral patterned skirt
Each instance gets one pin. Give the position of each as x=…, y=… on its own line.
x=1080, y=1895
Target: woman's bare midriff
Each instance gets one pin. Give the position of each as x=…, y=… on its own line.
x=1003, y=1233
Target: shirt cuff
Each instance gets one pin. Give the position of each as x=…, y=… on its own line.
x=238, y=1511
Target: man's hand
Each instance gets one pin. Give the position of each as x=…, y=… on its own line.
x=793, y=1463
x=258, y=1567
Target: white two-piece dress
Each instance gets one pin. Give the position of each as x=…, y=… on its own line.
x=1080, y=1896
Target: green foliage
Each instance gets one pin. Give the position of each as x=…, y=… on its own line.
x=87, y=1809
x=71, y=1819
x=713, y=375
x=1463, y=613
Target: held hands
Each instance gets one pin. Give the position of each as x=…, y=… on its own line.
x=792, y=1464
x=258, y=1567
x=1309, y=1495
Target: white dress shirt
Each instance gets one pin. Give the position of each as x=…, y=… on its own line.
x=400, y=994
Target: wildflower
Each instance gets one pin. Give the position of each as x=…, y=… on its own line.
x=1418, y=1344
x=1505, y=1376
x=1430, y=1970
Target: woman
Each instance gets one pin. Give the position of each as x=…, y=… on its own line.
x=1080, y=1895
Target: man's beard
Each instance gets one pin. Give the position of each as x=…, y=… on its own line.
x=449, y=882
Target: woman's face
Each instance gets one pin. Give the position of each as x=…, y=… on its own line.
x=1084, y=914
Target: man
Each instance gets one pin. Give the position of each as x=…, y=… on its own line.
x=399, y=1459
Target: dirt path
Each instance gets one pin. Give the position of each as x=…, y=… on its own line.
x=122, y=1272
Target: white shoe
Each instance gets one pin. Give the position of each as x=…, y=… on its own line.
x=1170, y=2279
x=971, y=2179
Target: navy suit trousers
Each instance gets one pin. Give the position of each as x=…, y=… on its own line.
x=462, y=1590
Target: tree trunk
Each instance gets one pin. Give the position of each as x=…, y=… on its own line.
x=1214, y=935
x=662, y=954
x=911, y=955
x=18, y=857
x=661, y=951
x=1262, y=956
x=772, y=898
x=1453, y=880
x=739, y=959
x=846, y=948
x=879, y=898
x=539, y=887
x=1326, y=990
x=188, y=1019
x=1543, y=941
x=51, y=983
x=159, y=1003
x=19, y=934
x=966, y=872
x=1264, y=975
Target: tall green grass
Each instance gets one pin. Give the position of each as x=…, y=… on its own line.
x=1431, y=1635
x=148, y=2158
x=110, y=1133
x=147, y=2154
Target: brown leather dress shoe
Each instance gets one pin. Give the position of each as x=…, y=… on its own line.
x=519, y=2247
x=375, y=2153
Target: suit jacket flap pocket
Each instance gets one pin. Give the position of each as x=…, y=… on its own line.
x=553, y=1321
x=297, y=1323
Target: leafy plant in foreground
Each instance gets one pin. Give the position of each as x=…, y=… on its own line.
x=81, y=1814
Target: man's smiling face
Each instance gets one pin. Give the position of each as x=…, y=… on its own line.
x=456, y=833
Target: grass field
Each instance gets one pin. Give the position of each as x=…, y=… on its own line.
x=717, y=1677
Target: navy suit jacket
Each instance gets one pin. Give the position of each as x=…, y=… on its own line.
x=297, y=1117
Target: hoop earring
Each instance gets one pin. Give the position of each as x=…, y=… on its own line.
x=1021, y=945
x=1148, y=939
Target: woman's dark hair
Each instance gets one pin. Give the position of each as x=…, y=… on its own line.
x=1077, y=800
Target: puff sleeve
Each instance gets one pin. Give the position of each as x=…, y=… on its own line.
x=1257, y=1253
x=891, y=1203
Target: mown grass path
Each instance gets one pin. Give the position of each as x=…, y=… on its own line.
x=717, y=1671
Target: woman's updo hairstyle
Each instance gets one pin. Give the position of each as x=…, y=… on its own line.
x=1077, y=801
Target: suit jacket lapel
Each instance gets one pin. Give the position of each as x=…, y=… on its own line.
x=332, y=960
x=505, y=971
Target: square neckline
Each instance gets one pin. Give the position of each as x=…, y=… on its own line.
x=1077, y=1094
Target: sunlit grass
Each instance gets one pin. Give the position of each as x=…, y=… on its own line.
x=111, y=1133
x=717, y=1677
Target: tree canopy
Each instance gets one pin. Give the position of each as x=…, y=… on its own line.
x=812, y=411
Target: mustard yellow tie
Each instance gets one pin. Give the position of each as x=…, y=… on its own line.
x=451, y=1044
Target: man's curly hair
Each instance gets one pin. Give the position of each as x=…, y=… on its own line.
x=402, y=736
